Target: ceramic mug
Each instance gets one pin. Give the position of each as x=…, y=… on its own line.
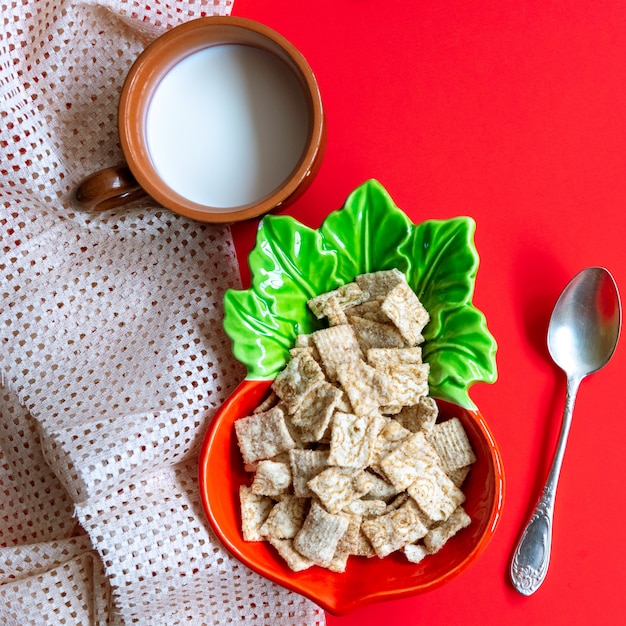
x=220, y=120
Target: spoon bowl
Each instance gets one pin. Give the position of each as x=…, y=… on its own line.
x=585, y=323
x=582, y=336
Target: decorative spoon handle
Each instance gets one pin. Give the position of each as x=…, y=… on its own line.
x=532, y=554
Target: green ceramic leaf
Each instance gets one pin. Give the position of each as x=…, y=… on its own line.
x=291, y=263
x=368, y=234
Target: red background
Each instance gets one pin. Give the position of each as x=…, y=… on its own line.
x=512, y=112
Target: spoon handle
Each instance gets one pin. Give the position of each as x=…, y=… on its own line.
x=532, y=554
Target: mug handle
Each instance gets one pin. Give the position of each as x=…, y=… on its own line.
x=106, y=189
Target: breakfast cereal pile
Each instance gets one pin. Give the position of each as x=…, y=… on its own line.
x=346, y=453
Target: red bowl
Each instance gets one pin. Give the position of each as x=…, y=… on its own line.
x=221, y=472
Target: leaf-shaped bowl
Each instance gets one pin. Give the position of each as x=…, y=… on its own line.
x=291, y=263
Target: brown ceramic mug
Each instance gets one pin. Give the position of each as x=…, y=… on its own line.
x=220, y=120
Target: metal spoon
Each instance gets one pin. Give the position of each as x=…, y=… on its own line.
x=582, y=336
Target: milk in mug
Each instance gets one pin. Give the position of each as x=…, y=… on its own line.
x=227, y=125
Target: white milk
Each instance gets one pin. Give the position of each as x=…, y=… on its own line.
x=227, y=125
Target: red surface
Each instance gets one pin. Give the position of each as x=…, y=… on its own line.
x=513, y=112
x=365, y=580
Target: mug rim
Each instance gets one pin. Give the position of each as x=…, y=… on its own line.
x=171, y=48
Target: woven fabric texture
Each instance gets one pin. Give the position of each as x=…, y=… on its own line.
x=112, y=356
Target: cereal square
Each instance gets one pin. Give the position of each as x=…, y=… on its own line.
x=336, y=345
x=348, y=544
x=406, y=374
x=334, y=313
x=380, y=283
x=458, y=476
x=436, y=495
x=263, y=435
x=383, y=358
x=437, y=536
x=420, y=416
x=352, y=439
x=415, y=552
x=367, y=388
x=305, y=464
x=286, y=518
x=271, y=478
x=313, y=416
x=394, y=530
x=335, y=487
x=406, y=311
x=372, y=334
x=254, y=512
x=345, y=296
x=408, y=461
x=375, y=486
x=407, y=384
x=295, y=561
x=301, y=373
x=369, y=310
x=318, y=538
x=450, y=440
x=365, y=508
x=390, y=437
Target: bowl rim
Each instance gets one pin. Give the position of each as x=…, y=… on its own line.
x=327, y=601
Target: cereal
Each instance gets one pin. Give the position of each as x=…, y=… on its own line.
x=389, y=438
x=366, y=508
x=367, y=388
x=263, y=435
x=452, y=445
x=371, y=334
x=347, y=545
x=345, y=296
x=318, y=538
x=458, y=476
x=313, y=416
x=406, y=375
x=440, y=534
x=404, y=309
x=408, y=461
x=347, y=455
x=376, y=487
x=352, y=439
x=369, y=310
x=436, y=495
x=420, y=416
x=415, y=552
x=383, y=358
x=254, y=512
x=336, y=345
x=380, y=283
x=292, y=557
x=407, y=384
x=292, y=384
x=335, y=487
x=305, y=464
x=394, y=530
x=271, y=478
x=334, y=312
x=285, y=518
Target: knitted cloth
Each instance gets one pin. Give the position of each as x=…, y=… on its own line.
x=112, y=353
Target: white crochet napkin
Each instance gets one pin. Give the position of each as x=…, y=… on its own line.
x=112, y=356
